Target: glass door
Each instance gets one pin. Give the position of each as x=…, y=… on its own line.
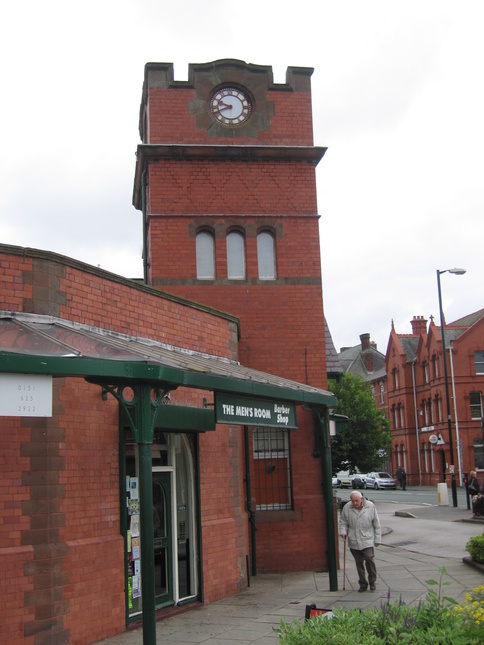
x=162, y=538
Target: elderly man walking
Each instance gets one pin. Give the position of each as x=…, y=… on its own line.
x=359, y=522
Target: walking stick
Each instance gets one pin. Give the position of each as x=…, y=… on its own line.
x=344, y=564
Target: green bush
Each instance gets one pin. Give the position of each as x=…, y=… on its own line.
x=475, y=547
x=435, y=621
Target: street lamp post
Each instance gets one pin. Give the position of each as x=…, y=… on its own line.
x=446, y=381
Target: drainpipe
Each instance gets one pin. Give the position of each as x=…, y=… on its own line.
x=321, y=421
x=459, y=450
x=416, y=423
x=143, y=211
x=250, y=510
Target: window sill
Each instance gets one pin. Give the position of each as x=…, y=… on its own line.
x=265, y=517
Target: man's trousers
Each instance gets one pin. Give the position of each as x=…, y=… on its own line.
x=365, y=558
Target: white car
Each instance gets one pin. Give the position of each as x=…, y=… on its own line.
x=345, y=478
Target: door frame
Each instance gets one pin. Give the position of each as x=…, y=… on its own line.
x=165, y=478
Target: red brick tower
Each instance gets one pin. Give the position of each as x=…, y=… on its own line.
x=209, y=174
x=225, y=178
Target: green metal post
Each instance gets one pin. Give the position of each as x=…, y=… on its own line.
x=250, y=510
x=145, y=440
x=322, y=420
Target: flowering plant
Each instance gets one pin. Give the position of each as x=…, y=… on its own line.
x=472, y=610
x=435, y=620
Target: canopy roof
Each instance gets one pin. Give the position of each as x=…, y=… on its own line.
x=35, y=344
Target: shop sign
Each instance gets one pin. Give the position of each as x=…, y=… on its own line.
x=241, y=410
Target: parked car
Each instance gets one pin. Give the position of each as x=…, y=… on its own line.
x=379, y=480
x=336, y=482
x=358, y=481
x=350, y=479
x=345, y=478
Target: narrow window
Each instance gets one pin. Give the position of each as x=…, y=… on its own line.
x=266, y=256
x=425, y=411
x=475, y=400
x=382, y=393
x=479, y=362
x=438, y=403
x=272, y=469
x=205, y=256
x=235, y=256
x=400, y=412
x=426, y=372
x=478, y=454
x=435, y=364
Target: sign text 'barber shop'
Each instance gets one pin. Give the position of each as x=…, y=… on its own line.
x=254, y=412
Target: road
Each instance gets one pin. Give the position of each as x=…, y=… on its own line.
x=413, y=495
x=414, y=521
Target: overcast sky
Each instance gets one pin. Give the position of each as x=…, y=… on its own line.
x=398, y=98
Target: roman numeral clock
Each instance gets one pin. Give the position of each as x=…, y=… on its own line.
x=230, y=106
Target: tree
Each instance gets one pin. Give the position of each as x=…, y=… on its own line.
x=365, y=443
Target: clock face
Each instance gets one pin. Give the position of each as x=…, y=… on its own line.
x=230, y=106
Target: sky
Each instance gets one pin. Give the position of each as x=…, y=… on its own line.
x=398, y=99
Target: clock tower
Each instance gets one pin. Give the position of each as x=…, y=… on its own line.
x=226, y=181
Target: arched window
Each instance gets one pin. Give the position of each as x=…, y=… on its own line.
x=235, y=255
x=266, y=255
x=205, y=256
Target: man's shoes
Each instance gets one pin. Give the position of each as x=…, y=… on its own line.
x=362, y=589
x=372, y=586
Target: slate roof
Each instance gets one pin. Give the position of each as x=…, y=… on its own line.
x=409, y=345
x=351, y=360
x=468, y=320
x=333, y=365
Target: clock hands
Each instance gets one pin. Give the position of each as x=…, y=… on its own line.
x=223, y=106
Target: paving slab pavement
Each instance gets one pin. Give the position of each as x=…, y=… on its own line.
x=418, y=540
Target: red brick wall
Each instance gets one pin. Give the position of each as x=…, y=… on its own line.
x=171, y=121
x=226, y=187
x=224, y=517
x=294, y=345
x=59, y=496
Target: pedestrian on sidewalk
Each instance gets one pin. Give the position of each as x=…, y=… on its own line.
x=398, y=475
x=403, y=481
x=360, y=524
x=473, y=485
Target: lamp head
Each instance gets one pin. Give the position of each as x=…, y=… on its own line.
x=456, y=271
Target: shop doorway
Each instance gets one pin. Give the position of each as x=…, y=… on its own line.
x=163, y=538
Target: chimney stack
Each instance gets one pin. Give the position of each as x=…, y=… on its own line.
x=366, y=352
x=365, y=341
x=419, y=326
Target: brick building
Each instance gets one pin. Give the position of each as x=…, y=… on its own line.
x=185, y=447
x=417, y=400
